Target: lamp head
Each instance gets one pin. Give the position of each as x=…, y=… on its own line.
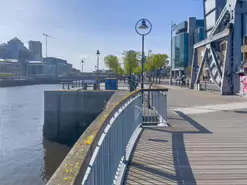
x=143, y=26
x=97, y=53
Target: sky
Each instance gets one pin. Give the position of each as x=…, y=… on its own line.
x=81, y=27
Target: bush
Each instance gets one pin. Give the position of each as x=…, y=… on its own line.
x=6, y=75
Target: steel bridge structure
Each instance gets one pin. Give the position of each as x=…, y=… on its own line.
x=221, y=49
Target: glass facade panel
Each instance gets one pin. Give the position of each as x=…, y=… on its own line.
x=200, y=23
x=180, y=50
x=198, y=35
x=182, y=26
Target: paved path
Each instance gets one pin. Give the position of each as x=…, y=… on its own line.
x=204, y=148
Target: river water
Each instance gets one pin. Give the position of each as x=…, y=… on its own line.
x=26, y=158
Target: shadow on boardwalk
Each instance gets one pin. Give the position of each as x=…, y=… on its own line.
x=160, y=157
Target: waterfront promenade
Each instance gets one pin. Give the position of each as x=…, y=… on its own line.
x=205, y=144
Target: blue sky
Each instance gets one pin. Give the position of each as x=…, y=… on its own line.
x=83, y=26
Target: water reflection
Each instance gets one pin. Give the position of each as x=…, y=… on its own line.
x=25, y=157
x=53, y=153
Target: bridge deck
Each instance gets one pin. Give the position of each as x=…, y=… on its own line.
x=204, y=149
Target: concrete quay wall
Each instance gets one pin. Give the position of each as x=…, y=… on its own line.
x=69, y=112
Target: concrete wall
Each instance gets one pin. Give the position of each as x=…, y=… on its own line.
x=68, y=113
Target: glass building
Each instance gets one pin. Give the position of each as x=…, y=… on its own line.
x=199, y=34
x=180, y=50
x=187, y=34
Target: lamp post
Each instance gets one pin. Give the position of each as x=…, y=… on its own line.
x=173, y=28
x=143, y=29
x=82, y=63
x=97, y=70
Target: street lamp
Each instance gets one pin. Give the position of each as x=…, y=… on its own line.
x=82, y=63
x=143, y=29
x=173, y=28
x=98, y=54
x=97, y=71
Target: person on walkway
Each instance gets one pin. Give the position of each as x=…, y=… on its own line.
x=183, y=81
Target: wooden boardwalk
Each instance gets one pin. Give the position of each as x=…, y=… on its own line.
x=203, y=149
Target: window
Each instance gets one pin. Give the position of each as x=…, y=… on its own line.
x=180, y=50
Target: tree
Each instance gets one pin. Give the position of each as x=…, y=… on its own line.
x=138, y=70
x=120, y=70
x=111, y=62
x=159, y=61
x=131, y=61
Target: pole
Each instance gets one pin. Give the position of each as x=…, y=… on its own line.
x=97, y=72
x=170, y=81
x=97, y=64
x=142, y=84
x=46, y=45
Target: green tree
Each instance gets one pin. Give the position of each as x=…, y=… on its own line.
x=120, y=70
x=138, y=70
x=131, y=61
x=111, y=62
x=159, y=61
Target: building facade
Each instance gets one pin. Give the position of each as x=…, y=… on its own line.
x=187, y=34
x=17, y=59
x=11, y=67
x=35, y=47
x=62, y=67
x=15, y=48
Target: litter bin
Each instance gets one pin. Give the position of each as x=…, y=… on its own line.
x=111, y=84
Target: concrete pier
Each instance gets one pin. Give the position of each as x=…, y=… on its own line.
x=69, y=112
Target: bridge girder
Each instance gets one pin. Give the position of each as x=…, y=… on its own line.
x=222, y=71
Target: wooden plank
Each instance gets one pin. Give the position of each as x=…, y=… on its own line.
x=189, y=152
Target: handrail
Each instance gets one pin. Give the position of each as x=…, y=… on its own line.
x=74, y=172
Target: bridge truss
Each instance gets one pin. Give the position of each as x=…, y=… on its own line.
x=223, y=62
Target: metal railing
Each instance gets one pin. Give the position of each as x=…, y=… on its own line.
x=112, y=147
x=80, y=83
x=154, y=107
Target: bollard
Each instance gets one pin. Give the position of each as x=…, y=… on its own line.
x=205, y=85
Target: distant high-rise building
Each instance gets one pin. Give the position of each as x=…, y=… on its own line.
x=187, y=34
x=35, y=47
x=15, y=46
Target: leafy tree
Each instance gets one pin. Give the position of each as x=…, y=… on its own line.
x=149, y=66
x=120, y=70
x=111, y=62
x=131, y=60
x=159, y=61
x=138, y=70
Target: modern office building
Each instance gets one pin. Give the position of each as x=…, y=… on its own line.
x=15, y=47
x=62, y=66
x=35, y=47
x=16, y=58
x=187, y=34
x=11, y=66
